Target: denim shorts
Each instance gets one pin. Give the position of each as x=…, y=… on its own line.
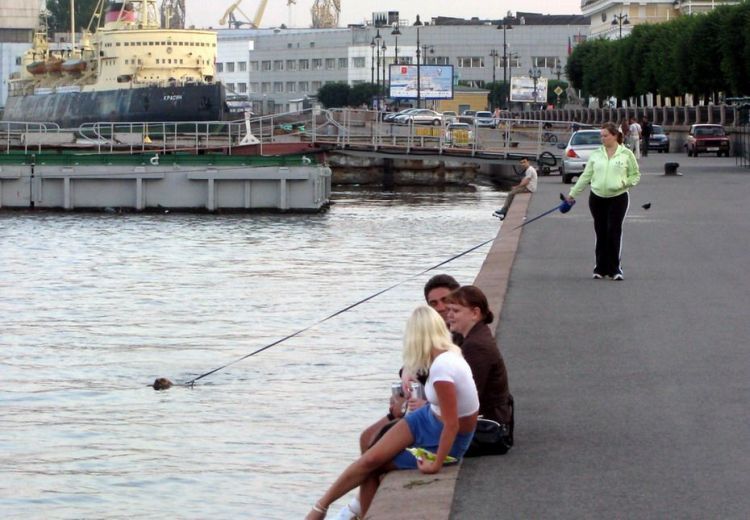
x=426, y=428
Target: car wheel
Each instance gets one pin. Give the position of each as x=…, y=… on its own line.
x=436, y=122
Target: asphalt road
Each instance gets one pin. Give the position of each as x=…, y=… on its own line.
x=632, y=398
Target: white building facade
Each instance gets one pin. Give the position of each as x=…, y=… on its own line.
x=18, y=20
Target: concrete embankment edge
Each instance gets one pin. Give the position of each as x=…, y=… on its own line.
x=410, y=495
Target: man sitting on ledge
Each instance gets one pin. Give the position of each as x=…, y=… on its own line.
x=527, y=185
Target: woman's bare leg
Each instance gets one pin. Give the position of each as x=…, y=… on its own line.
x=371, y=463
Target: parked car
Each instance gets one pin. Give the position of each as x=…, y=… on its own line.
x=467, y=116
x=459, y=134
x=485, y=119
x=391, y=116
x=577, y=152
x=658, y=140
x=707, y=139
x=449, y=116
x=420, y=116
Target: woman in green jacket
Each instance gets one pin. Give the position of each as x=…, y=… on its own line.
x=611, y=171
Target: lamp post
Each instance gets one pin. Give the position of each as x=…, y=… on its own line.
x=504, y=25
x=372, y=61
x=383, y=48
x=418, y=24
x=395, y=32
x=494, y=54
x=377, y=39
x=620, y=19
x=557, y=71
x=535, y=74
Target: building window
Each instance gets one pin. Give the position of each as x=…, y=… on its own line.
x=254, y=88
x=330, y=63
x=230, y=87
x=358, y=62
x=470, y=62
x=317, y=63
x=265, y=87
x=544, y=62
x=242, y=88
x=278, y=64
x=291, y=64
x=219, y=67
x=304, y=64
x=405, y=60
x=253, y=66
x=230, y=66
x=291, y=86
x=242, y=66
x=316, y=85
x=437, y=60
x=304, y=86
x=278, y=86
x=343, y=63
x=265, y=65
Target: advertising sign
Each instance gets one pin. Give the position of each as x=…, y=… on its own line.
x=522, y=90
x=435, y=81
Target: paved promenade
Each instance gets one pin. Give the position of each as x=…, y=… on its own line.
x=632, y=398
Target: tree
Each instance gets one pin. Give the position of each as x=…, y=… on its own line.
x=334, y=95
x=59, y=14
x=363, y=93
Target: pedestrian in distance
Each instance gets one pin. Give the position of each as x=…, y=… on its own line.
x=625, y=130
x=611, y=171
x=527, y=185
x=445, y=427
x=646, y=130
x=635, y=137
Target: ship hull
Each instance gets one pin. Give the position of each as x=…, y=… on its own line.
x=145, y=104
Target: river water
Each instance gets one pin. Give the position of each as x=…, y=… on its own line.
x=93, y=307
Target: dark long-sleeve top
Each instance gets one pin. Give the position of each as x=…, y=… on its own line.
x=488, y=368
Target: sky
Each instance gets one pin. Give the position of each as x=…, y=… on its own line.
x=206, y=13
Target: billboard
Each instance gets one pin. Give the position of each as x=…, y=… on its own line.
x=435, y=81
x=522, y=90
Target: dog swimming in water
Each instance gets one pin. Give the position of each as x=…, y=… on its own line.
x=162, y=383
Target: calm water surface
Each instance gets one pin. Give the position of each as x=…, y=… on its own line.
x=93, y=307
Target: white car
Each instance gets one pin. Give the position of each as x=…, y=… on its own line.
x=577, y=152
x=422, y=116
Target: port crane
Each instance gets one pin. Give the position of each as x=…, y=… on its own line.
x=231, y=20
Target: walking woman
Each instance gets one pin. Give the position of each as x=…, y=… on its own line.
x=444, y=427
x=611, y=171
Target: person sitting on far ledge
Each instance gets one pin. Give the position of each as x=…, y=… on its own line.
x=445, y=427
x=436, y=291
x=527, y=185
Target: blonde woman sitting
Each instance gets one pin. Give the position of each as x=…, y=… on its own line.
x=444, y=427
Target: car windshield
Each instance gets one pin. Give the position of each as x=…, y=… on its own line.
x=658, y=130
x=709, y=130
x=484, y=114
x=586, y=138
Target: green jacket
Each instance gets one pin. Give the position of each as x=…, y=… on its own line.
x=608, y=177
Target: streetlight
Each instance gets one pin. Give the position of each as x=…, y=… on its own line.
x=504, y=25
x=418, y=24
x=620, y=19
x=494, y=54
x=557, y=70
x=376, y=40
x=395, y=32
x=535, y=74
x=372, y=61
x=383, y=49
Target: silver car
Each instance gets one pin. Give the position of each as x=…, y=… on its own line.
x=421, y=116
x=577, y=152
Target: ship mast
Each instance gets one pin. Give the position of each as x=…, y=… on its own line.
x=73, y=24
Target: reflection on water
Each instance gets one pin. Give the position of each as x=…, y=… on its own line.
x=94, y=307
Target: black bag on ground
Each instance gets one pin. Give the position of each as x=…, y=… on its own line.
x=492, y=437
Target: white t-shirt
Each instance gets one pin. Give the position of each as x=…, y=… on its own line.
x=530, y=174
x=635, y=131
x=452, y=367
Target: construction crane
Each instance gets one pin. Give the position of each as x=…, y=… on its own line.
x=234, y=22
x=173, y=14
x=325, y=13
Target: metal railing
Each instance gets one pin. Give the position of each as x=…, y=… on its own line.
x=14, y=134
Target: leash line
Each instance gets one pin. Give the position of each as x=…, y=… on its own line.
x=337, y=313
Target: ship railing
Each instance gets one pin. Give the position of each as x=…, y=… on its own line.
x=16, y=134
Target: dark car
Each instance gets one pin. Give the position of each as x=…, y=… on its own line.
x=658, y=140
x=707, y=139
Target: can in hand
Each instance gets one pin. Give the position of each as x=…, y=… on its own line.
x=397, y=390
x=417, y=390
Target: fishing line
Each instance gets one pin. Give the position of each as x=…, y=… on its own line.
x=337, y=313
